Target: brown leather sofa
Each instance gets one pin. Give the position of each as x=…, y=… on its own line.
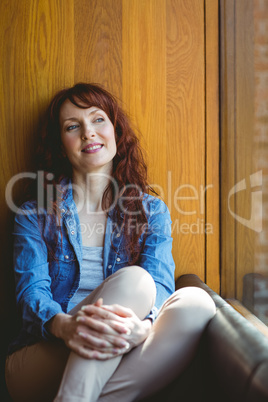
x=231, y=364
x=232, y=361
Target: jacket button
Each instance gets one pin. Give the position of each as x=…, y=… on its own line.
x=118, y=235
x=118, y=259
x=109, y=266
x=72, y=232
x=66, y=257
x=63, y=210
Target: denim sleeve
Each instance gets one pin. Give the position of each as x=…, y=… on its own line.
x=32, y=279
x=156, y=257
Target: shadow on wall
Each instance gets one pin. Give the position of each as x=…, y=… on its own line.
x=9, y=319
x=17, y=162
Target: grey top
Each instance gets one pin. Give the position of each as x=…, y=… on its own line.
x=91, y=275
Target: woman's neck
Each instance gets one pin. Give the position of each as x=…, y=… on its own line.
x=88, y=190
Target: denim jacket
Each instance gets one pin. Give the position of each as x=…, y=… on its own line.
x=47, y=260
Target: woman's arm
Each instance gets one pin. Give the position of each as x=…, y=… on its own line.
x=33, y=282
x=156, y=256
x=42, y=316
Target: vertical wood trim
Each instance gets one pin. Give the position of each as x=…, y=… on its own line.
x=237, y=142
x=212, y=142
x=227, y=128
x=244, y=156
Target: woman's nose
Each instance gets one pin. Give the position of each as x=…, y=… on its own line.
x=88, y=132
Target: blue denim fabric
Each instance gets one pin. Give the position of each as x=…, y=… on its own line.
x=47, y=272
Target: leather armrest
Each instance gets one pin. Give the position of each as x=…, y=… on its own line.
x=236, y=352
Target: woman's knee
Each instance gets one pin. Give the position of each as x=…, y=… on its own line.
x=191, y=306
x=137, y=287
x=138, y=278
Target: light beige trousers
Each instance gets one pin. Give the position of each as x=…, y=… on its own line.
x=47, y=371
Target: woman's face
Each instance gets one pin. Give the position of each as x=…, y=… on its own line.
x=88, y=138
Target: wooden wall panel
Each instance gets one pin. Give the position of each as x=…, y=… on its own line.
x=36, y=54
x=98, y=43
x=144, y=80
x=186, y=130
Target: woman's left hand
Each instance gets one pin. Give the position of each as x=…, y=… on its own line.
x=126, y=323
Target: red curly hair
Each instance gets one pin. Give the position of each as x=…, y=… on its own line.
x=129, y=168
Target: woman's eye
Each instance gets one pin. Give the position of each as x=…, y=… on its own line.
x=99, y=120
x=72, y=127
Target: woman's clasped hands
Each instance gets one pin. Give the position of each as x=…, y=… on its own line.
x=102, y=332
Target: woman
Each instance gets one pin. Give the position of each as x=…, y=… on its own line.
x=93, y=266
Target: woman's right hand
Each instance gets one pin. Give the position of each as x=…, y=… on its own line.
x=89, y=337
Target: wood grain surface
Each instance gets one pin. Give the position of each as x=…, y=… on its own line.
x=186, y=131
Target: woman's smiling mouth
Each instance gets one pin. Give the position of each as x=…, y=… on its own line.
x=91, y=148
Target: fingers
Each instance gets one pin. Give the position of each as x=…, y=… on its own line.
x=117, y=341
x=118, y=310
x=99, y=302
x=98, y=334
x=89, y=352
x=119, y=327
x=95, y=342
x=104, y=327
x=103, y=342
x=103, y=346
x=94, y=336
x=102, y=312
x=96, y=324
x=106, y=319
